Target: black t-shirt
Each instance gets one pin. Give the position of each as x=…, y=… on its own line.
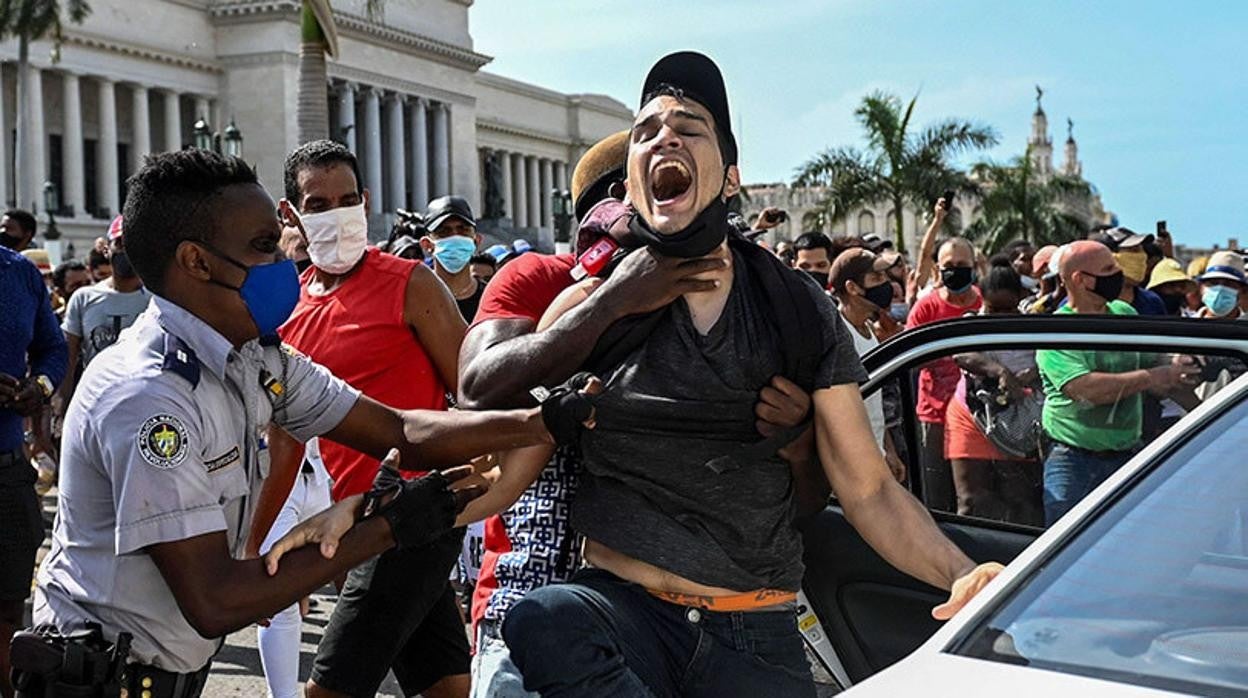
x=468, y=306
x=679, y=401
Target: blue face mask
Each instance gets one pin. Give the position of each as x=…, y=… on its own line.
x=270, y=291
x=454, y=252
x=1220, y=300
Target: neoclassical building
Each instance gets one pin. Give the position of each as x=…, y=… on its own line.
x=407, y=93
x=879, y=218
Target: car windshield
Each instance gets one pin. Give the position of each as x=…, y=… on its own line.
x=1155, y=591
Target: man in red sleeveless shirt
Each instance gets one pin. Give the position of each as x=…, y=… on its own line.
x=391, y=329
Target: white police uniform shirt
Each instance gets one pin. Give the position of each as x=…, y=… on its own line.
x=163, y=442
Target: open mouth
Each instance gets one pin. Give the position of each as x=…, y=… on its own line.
x=669, y=181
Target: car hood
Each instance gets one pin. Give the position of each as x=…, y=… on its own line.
x=938, y=673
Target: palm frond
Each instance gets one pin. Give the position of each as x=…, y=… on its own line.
x=951, y=137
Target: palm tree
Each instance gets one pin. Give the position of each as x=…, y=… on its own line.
x=319, y=37
x=1018, y=204
x=898, y=167
x=32, y=20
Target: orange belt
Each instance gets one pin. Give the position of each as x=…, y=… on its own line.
x=747, y=601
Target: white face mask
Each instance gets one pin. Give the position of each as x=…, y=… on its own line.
x=336, y=238
x=1029, y=283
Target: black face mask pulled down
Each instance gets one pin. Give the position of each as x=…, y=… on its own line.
x=122, y=268
x=707, y=232
x=1109, y=286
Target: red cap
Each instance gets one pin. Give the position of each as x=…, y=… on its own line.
x=114, y=229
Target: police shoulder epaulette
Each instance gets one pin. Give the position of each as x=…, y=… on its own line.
x=180, y=359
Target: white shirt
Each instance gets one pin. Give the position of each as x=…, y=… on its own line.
x=875, y=403
x=164, y=441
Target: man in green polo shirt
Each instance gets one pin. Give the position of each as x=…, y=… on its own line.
x=1092, y=407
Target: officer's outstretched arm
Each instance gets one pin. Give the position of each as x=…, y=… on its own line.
x=428, y=439
x=219, y=594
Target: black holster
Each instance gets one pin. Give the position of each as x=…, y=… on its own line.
x=47, y=664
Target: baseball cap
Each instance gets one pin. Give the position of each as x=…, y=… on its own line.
x=498, y=252
x=1167, y=271
x=1122, y=238
x=443, y=208
x=602, y=164
x=1225, y=265
x=1040, y=261
x=115, y=229
x=891, y=257
x=873, y=242
x=853, y=265
x=699, y=78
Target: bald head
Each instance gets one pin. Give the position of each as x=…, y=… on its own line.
x=1091, y=275
x=1088, y=257
x=956, y=248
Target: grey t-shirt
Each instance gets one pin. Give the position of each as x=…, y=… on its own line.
x=97, y=315
x=679, y=401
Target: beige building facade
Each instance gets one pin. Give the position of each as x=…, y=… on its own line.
x=406, y=92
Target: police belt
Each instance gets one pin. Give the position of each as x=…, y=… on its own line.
x=47, y=664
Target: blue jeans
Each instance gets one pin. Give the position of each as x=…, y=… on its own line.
x=601, y=636
x=1071, y=473
x=493, y=673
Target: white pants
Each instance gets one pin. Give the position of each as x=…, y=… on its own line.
x=279, y=643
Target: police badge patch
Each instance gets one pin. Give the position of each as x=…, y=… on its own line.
x=162, y=441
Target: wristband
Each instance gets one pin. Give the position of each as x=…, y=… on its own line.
x=418, y=510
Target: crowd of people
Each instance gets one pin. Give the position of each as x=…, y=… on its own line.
x=239, y=407
x=1086, y=412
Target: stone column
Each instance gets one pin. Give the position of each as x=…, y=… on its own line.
x=519, y=191
x=35, y=171
x=396, y=162
x=5, y=161
x=372, y=150
x=346, y=116
x=141, y=143
x=107, y=175
x=75, y=194
x=420, y=154
x=173, y=121
x=548, y=222
x=203, y=110
x=535, y=197
x=509, y=200
x=441, y=150
x=561, y=175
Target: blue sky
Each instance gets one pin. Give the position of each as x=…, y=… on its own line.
x=1158, y=90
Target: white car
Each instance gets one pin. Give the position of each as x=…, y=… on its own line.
x=1141, y=589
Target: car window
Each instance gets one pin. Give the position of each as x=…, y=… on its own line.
x=1155, y=590
x=1020, y=436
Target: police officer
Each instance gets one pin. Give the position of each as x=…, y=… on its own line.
x=164, y=451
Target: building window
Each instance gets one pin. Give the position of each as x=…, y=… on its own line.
x=866, y=223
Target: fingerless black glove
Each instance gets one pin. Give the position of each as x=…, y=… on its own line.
x=419, y=511
x=566, y=409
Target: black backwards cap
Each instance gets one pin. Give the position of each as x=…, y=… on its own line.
x=697, y=76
